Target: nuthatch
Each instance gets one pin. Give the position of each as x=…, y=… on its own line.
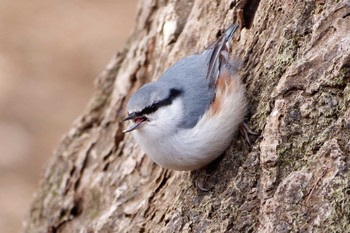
x=187, y=118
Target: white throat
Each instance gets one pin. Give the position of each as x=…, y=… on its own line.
x=156, y=136
x=164, y=121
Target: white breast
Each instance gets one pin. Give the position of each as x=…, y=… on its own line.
x=190, y=149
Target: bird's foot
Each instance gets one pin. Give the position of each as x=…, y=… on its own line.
x=246, y=131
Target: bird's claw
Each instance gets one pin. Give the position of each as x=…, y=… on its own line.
x=246, y=131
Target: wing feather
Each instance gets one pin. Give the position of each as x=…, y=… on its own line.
x=219, y=54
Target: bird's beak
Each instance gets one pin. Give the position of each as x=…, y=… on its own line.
x=131, y=116
x=137, y=122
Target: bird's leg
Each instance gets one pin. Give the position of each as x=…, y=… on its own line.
x=246, y=131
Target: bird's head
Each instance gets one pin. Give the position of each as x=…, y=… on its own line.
x=155, y=104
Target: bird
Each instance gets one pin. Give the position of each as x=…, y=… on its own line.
x=189, y=116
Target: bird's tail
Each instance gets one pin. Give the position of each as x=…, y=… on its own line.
x=220, y=53
x=230, y=31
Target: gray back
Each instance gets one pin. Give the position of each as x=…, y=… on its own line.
x=189, y=74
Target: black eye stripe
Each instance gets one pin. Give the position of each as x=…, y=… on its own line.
x=154, y=107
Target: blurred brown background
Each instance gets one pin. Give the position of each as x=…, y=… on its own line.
x=50, y=53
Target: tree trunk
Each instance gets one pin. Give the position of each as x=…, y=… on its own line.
x=295, y=177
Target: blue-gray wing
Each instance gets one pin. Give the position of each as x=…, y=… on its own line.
x=197, y=75
x=219, y=56
x=189, y=74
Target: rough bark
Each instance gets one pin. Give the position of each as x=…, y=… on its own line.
x=294, y=178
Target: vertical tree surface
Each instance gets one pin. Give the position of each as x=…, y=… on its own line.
x=294, y=177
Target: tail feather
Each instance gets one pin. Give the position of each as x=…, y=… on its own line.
x=220, y=54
